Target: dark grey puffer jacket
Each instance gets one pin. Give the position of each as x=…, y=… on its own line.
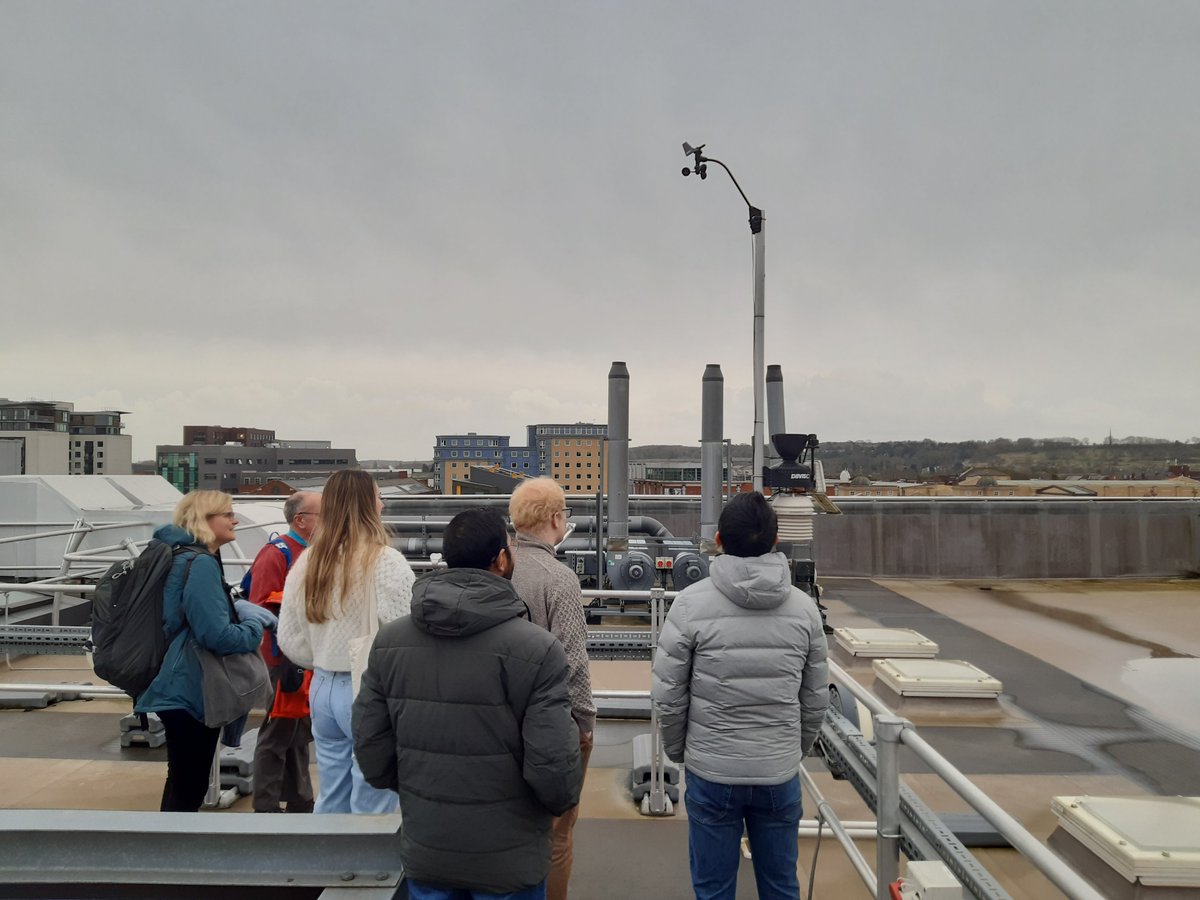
x=463, y=711
x=741, y=676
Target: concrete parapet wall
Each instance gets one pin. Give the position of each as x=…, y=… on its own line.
x=1010, y=538
x=959, y=537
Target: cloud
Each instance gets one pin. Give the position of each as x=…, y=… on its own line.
x=376, y=224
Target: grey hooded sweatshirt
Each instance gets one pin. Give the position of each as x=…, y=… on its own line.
x=741, y=676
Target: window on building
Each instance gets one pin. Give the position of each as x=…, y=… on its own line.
x=454, y=453
x=478, y=454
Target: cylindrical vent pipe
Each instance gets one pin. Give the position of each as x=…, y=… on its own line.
x=712, y=434
x=775, y=417
x=618, y=457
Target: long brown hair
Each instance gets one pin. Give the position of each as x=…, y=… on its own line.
x=346, y=544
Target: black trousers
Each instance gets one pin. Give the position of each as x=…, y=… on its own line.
x=190, y=748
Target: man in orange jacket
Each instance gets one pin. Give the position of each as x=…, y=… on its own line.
x=281, y=755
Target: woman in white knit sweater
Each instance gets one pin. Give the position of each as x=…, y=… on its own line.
x=326, y=600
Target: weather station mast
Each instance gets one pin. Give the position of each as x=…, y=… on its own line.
x=757, y=237
x=797, y=480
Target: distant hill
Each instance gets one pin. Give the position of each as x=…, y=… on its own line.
x=1132, y=457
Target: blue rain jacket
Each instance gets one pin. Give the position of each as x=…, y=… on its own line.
x=198, y=609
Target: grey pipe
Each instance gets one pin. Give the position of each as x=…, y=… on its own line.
x=639, y=525
x=421, y=546
x=776, y=423
x=618, y=457
x=712, y=431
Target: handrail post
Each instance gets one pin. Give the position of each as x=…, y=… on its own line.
x=657, y=803
x=887, y=829
x=79, y=530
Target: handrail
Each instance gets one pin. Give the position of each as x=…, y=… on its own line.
x=40, y=587
x=1013, y=831
x=841, y=832
x=891, y=731
x=1063, y=877
x=85, y=529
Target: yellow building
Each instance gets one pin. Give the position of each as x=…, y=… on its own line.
x=578, y=463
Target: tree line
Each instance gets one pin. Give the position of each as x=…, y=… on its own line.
x=928, y=460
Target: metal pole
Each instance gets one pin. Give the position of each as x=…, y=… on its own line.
x=600, y=533
x=887, y=774
x=656, y=802
x=728, y=468
x=618, y=457
x=757, y=230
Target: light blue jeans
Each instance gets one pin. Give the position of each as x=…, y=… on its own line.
x=342, y=789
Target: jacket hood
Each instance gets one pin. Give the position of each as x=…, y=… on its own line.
x=753, y=582
x=174, y=536
x=462, y=602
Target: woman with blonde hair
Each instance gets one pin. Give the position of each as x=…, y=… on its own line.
x=326, y=602
x=196, y=610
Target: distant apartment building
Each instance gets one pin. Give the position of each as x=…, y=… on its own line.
x=51, y=437
x=455, y=454
x=234, y=466
x=574, y=455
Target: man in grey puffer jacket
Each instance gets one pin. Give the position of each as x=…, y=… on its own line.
x=741, y=685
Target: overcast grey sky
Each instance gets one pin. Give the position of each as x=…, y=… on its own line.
x=375, y=222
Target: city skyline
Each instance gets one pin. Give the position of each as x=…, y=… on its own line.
x=413, y=220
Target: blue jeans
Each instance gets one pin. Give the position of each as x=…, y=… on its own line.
x=420, y=890
x=342, y=789
x=716, y=814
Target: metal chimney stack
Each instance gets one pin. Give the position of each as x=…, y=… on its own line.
x=618, y=457
x=712, y=440
x=775, y=417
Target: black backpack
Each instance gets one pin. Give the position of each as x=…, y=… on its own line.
x=128, y=643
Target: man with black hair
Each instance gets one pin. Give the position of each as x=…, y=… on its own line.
x=741, y=686
x=464, y=712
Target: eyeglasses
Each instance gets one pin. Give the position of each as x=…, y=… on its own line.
x=314, y=515
x=566, y=511
x=231, y=515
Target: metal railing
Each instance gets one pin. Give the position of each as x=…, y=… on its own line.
x=891, y=731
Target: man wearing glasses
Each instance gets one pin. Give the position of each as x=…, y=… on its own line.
x=551, y=591
x=281, y=754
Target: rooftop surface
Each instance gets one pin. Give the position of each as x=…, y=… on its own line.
x=1098, y=680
